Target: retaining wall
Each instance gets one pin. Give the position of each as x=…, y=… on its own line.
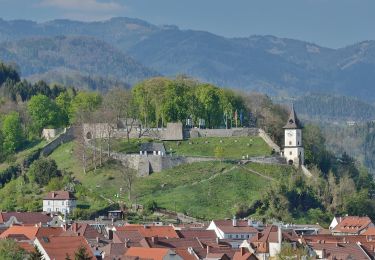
x=65, y=137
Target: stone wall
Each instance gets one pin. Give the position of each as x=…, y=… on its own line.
x=195, y=132
x=64, y=137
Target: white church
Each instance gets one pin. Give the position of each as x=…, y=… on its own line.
x=293, y=149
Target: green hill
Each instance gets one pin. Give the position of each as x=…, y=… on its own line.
x=204, y=190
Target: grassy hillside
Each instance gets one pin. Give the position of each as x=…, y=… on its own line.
x=204, y=190
x=234, y=147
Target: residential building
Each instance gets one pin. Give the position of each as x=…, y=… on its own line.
x=59, y=202
x=152, y=149
x=8, y=219
x=352, y=225
x=152, y=254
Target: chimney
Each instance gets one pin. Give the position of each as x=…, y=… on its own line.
x=217, y=240
x=234, y=221
x=53, y=194
x=75, y=227
x=208, y=250
x=97, y=240
x=249, y=222
x=279, y=235
x=324, y=253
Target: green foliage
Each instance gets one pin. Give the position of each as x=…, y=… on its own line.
x=9, y=250
x=219, y=152
x=233, y=147
x=289, y=252
x=176, y=100
x=42, y=171
x=8, y=73
x=44, y=113
x=83, y=103
x=82, y=254
x=36, y=254
x=12, y=132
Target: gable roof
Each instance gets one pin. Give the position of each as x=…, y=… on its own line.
x=242, y=226
x=293, y=121
x=352, y=224
x=193, y=233
x=151, y=231
x=58, y=247
x=30, y=232
x=59, y=195
x=147, y=253
x=341, y=250
x=26, y=218
x=150, y=147
x=83, y=229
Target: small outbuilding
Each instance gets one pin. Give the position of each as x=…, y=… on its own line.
x=152, y=149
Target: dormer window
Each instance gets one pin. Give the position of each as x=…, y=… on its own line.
x=291, y=121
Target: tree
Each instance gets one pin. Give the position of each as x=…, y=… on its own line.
x=43, y=170
x=81, y=254
x=36, y=254
x=130, y=176
x=9, y=250
x=12, y=133
x=289, y=252
x=44, y=113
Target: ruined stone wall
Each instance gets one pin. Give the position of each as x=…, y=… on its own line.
x=194, y=133
x=65, y=137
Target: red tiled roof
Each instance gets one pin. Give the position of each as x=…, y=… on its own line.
x=29, y=247
x=59, y=195
x=185, y=254
x=147, y=253
x=244, y=254
x=83, y=229
x=31, y=232
x=200, y=233
x=352, y=224
x=59, y=247
x=241, y=226
x=150, y=231
x=341, y=250
x=369, y=232
x=27, y=231
x=26, y=218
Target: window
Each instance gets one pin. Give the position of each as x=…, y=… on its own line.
x=290, y=142
x=290, y=153
x=62, y=203
x=48, y=203
x=298, y=142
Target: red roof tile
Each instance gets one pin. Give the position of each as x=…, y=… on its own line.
x=241, y=226
x=147, y=253
x=59, y=195
x=352, y=224
x=59, y=247
x=26, y=218
x=151, y=231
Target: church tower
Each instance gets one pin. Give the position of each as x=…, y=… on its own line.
x=293, y=149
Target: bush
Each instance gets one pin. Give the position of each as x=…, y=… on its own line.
x=43, y=170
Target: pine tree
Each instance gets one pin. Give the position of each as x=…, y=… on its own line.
x=82, y=254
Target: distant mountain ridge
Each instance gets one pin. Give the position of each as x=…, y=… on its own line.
x=276, y=66
x=80, y=56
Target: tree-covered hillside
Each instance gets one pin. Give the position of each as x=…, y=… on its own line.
x=80, y=55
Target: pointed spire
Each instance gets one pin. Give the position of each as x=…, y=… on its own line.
x=293, y=122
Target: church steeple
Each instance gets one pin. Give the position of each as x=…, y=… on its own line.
x=293, y=122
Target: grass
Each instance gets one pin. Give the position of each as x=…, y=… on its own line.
x=133, y=146
x=21, y=155
x=206, y=190
x=234, y=147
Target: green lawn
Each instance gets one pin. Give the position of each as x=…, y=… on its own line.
x=234, y=147
x=133, y=146
x=189, y=188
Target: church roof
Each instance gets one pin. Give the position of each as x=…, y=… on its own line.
x=293, y=122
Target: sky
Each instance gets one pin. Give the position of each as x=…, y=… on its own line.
x=330, y=23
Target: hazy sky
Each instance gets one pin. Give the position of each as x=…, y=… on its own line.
x=331, y=23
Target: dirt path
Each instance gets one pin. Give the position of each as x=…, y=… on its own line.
x=257, y=173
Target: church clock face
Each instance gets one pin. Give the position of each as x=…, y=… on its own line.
x=290, y=133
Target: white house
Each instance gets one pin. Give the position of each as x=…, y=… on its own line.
x=235, y=230
x=293, y=149
x=152, y=149
x=59, y=201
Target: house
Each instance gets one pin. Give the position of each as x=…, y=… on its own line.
x=149, y=231
x=352, y=225
x=92, y=236
x=59, y=247
x=59, y=202
x=266, y=243
x=244, y=254
x=8, y=219
x=236, y=230
x=23, y=233
x=339, y=251
x=151, y=254
x=152, y=149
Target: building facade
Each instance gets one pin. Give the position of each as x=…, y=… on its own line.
x=59, y=202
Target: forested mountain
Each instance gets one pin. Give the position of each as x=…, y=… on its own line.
x=273, y=65
x=79, y=56
x=318, y=107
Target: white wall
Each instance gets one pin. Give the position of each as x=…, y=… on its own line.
x=59, y=205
